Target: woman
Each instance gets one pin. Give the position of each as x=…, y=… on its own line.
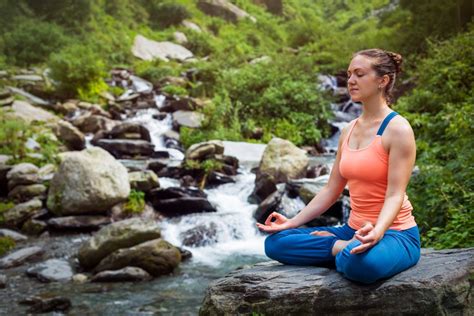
x=375, y=159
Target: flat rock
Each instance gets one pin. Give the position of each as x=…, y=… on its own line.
x=52, y=270
x=439, y=284
x=18, y=257
x=127, y=274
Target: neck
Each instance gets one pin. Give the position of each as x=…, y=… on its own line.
x=374, y=109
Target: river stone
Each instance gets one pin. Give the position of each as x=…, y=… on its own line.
x=89, y=181
x=147, y=49
x=21, y=212
x=122, y=234
x=190, y=119
x=20, y=170
x=283, y=160
x=127, y=274
x=143, y=180
x=224, y=9
x=157, y=257
x=89, y=222
x=438, y=285
x=30, y=113
x=12, y=234
x=18, y=257
x=121, y=148
x=27, y=192
x=52, y=270
x=203, y=150
x=70, y=135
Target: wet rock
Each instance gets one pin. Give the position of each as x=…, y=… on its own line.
x=217, y=178
x=20, y=256
x=89, y=181
x=180, y=205
x=269, y=205
x=3, y=281
x=283, y=160
x=201, y=235
x=79, y=222
x=12, y=234
x=127, y=274
x=147, y=49
x=224, y=9
x=130, y=130
x=21, y=212
x=53, y=270
x=122, y=234
x=439, y=284
x=143, y=180
x=157, y=257
x=48, y=304
x=124, y=148
x=264, y=186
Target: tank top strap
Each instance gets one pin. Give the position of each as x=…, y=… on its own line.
x=385, y=122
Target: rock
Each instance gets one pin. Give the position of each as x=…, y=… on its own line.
x=66, y=107
x=89, y=123
x=283, y=160
x=181, y=206
x=30, y=97
x=192, y=26
x=127, y=274
x=273, y=6
x=4, y=169
x=89, y=181
x=204, y=150
x=439, y=284
x=19, y=257
x=269, y=205
x=52, y=270
x=147, y=49
x=122, y=148
x=12, y=234
x=201, y=235
x=27, y=192
x=187, y=118
x=79, y=278
x=264, y=186
x=21, y=212
x=33, y=227
x=3, y=281
x=143, y=180
x=23, y=180
x=180, y=37
x=122, y=234
x=310, y=188
x=30, y=113
x=80, y=222
x=20, y=170
x=157, y=257
x=129, y=130
x=224, y=9
x=47, y=304
x=70, y=135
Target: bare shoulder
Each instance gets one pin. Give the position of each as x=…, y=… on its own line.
x=400, y=131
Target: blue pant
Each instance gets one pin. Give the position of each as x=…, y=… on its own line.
x=397, y=251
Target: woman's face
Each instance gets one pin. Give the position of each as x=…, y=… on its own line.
x=362, y=81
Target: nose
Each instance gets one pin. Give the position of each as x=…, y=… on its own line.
x=350, y=80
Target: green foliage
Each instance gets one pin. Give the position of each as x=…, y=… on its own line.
x=32, y=41
x=166, y=14
x=79, y=71
x=135, y=203
x=441, y=112
x=69, y=13
x=5, y=206
x=6, y=244
x=175, y=90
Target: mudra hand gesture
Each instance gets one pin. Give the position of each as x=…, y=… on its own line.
x=280, y=223
x=368, y=235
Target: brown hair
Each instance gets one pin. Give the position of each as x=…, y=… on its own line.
x=384, y=63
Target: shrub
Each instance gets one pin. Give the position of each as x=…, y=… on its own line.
x=6, y=244
x=135, y=203
x=163, y=15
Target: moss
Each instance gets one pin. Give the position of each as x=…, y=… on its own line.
x=6, y=244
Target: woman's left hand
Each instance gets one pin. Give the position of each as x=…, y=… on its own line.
x=368, y=235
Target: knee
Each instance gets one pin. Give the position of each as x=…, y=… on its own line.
x=271, y=246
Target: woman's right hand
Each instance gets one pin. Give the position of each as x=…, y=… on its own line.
x=280, y=223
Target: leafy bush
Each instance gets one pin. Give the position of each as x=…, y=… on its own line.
x=163, y=15
x=441, y=112
x=79, y=72
x=32, y=41
x=6, y=244
x=175, y=90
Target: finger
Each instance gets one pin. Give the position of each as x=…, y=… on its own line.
x=269, y=218
x=365, y=239
x=360, y=248
x=366, y=228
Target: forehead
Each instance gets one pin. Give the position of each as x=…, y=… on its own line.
x=359, y=62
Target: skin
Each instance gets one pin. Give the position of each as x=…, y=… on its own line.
x=398, y=141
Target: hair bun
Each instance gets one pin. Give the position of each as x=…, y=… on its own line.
x=397, y=60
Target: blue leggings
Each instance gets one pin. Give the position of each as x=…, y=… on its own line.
x=397, y=251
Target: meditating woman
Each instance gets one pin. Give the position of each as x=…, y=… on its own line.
x=375, y=159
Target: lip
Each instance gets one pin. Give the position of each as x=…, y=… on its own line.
x=352, y=90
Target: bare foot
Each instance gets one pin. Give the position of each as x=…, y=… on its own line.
x=341, y=244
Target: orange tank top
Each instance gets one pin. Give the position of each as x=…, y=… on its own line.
x=366, y=171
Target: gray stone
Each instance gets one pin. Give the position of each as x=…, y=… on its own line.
x=21, y=212
x=147, y=49
x=52, y=270
x=18, y=257
x=439, y=284
x=127, y=274
x=12, y=234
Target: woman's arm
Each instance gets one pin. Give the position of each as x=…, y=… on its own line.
x=327, y=196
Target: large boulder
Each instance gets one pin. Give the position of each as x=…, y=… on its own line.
x=30, y=113
x=122, y=234
x=224, y=9
x=283, y=160
x=88, y=181
x=439, y=284
x=157, y=257
x=147, y=49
